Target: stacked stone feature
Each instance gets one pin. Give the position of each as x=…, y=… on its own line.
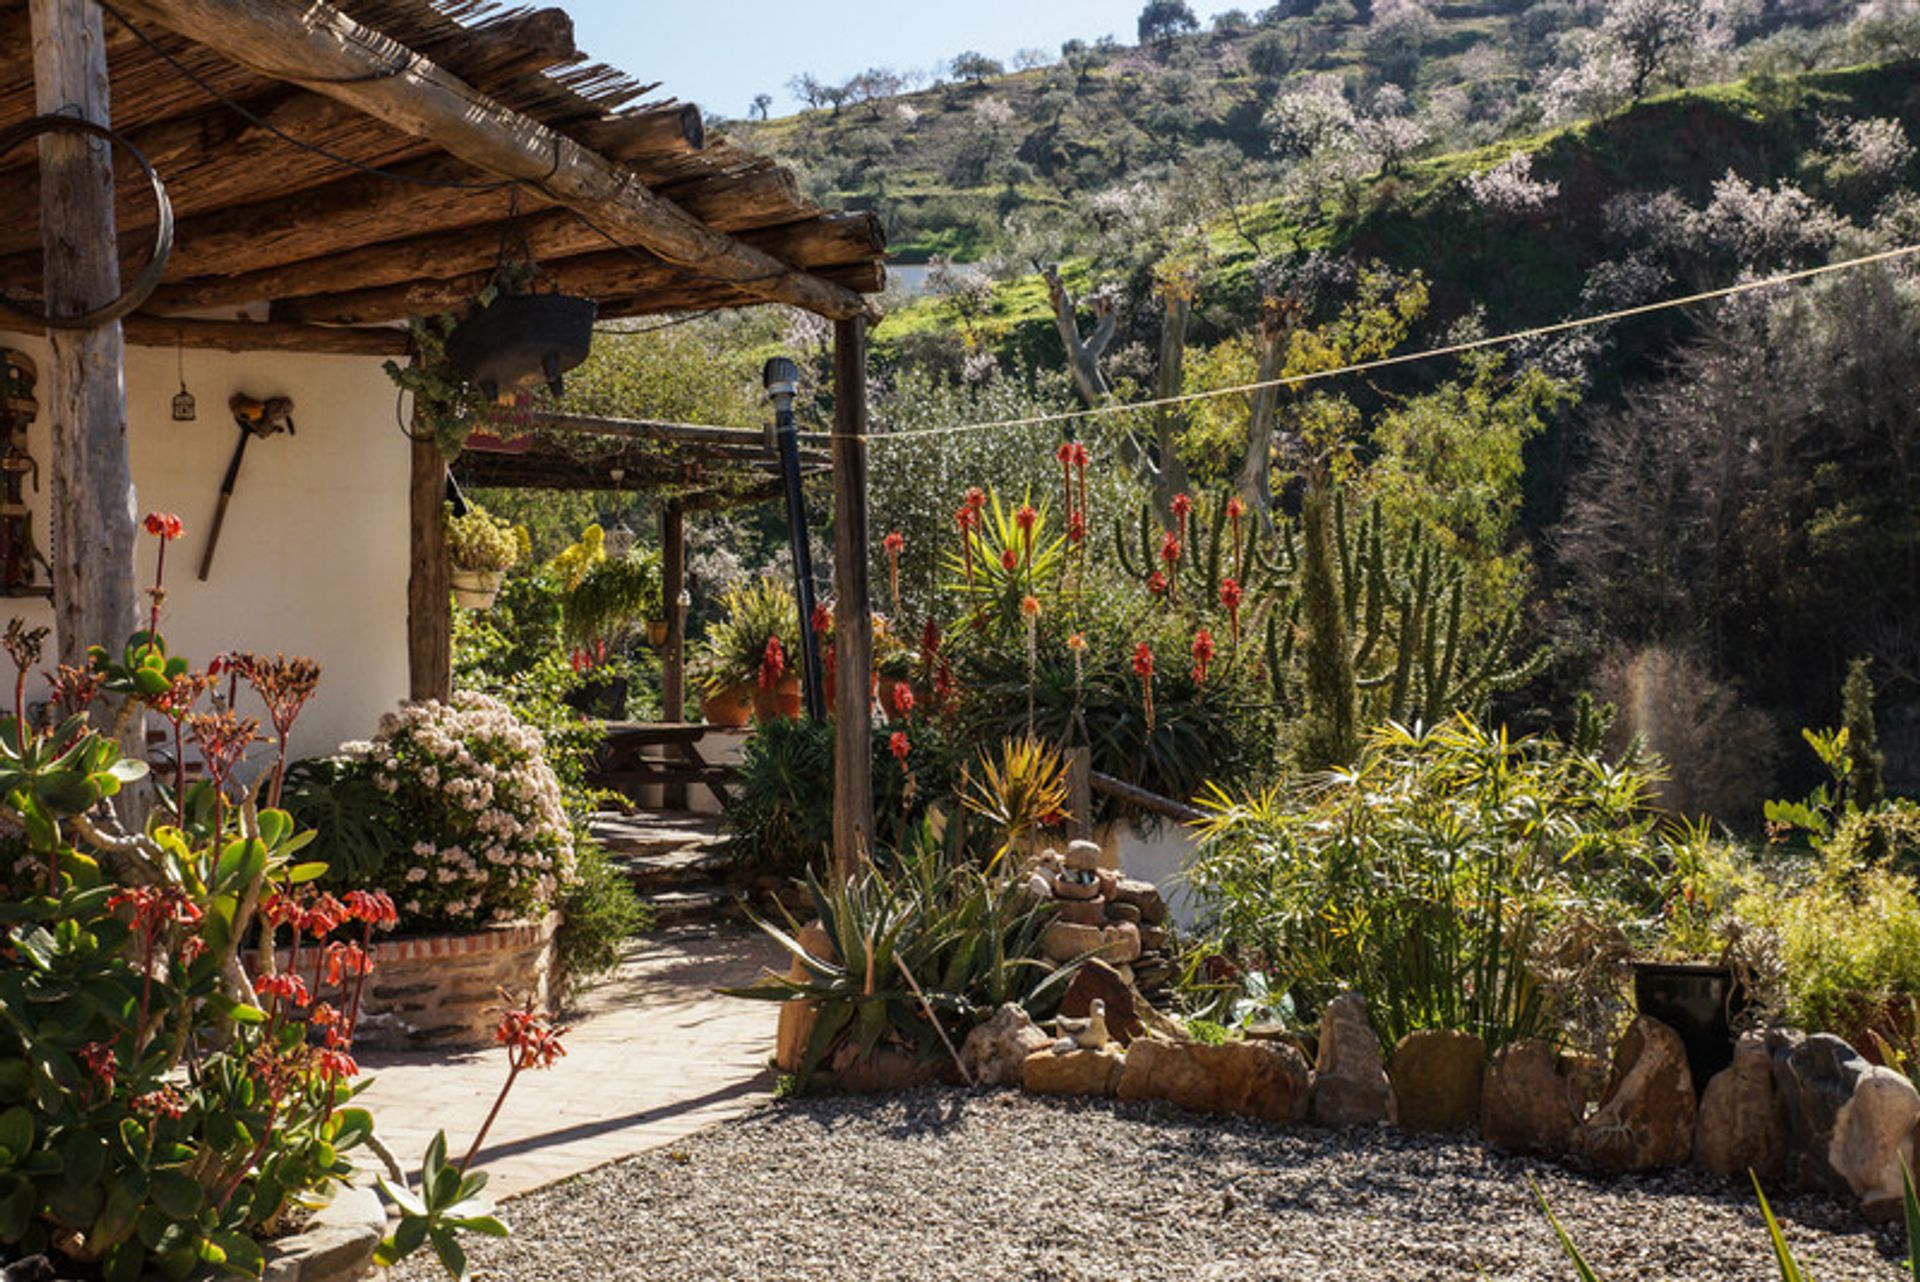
x=1099, y=913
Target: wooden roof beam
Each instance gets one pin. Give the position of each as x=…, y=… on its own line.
x=833, y=241
x=316, y=45
x=141, y=330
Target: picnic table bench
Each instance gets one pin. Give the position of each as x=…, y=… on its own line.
x=627, y=760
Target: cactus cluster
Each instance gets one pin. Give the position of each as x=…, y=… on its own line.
x=1401, y=597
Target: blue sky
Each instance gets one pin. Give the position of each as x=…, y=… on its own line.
x=719, y=54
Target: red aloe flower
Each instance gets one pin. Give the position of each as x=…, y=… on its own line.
x=893, y=543
x=773, y=664
x=902, y=699
x=1009, y=560
x=1025, y=519
x=899, y=745
x=822, y=621
x=1202, y=655
x=1235, y=510
x=1157, y=584
x=1230, y=598
x=1077, y=528
x=1143, y=668
x=1182, y=509
x=964, y=519
x=1065, y=457
x=976, y=498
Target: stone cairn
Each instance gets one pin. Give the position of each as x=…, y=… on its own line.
x=1801, y=1112
x=1101, y=914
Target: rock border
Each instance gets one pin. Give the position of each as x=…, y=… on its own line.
x=337, y=1244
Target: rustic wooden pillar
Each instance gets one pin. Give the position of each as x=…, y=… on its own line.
x=853, y=611
x=91, y=535
x=430, y=576
x=1080, y=792
x=673, y=665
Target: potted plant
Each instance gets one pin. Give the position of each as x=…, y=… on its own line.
x=602, y=599
x=482, y=547
x=759, y=638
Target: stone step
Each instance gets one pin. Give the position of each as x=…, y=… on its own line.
x=655, y=832
x=693, y=907
x=684, y=869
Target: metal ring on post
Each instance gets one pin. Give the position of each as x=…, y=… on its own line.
x=149, y=278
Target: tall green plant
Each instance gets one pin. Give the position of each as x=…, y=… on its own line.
x=1425, y=875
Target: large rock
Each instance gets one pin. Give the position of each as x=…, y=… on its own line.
x=1742, y=1124
x=1350, y=1085
x=1873, y=1137
x=1527, y=1104
x=1437, y=1075
x=1055, y=1072
x=1143, y=895
x=995, y=1052
x=1254, y=1079
x=1063, y=941
x=1816, y=1077
x=1645, y=1118
x=888, y=1069
x=1097, y=981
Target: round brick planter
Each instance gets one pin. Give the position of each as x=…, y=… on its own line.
x=442, y=992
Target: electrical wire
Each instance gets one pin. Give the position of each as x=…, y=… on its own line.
x=1407, y=358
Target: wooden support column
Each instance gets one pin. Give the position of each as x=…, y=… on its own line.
x=1080, y=792
x=91, y=534
x=853, y=610
x=673, y=667
x=430, y=578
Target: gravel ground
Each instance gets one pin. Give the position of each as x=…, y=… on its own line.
x=939, y=1184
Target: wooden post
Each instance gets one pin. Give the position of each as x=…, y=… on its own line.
x=1080, y=792
x=430, y=578
x=853, y=611
x=91, y=535
x=673, y=667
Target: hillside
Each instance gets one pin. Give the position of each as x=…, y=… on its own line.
x=946, y=165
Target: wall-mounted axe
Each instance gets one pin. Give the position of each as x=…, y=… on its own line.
x=255, y=418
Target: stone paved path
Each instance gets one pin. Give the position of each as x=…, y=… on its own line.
x=653, y=1054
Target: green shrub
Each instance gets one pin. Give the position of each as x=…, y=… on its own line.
x=1427, y=876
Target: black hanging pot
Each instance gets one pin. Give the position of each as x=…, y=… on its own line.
x=522, y=339
x=1697, y=1000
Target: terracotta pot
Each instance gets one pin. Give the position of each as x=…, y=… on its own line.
x=476, y=589
x=782, y=703
x=730, y=706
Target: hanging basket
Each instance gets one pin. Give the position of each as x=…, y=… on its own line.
x=522, y=340
x=476, y=589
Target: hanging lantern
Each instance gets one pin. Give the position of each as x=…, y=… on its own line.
x=183, y=406
x=621, y=538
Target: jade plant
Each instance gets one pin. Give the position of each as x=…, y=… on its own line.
x=165, y=1108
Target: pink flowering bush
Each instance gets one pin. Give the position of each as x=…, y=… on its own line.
x=485, y=835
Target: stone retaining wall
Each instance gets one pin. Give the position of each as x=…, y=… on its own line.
x=442, y=992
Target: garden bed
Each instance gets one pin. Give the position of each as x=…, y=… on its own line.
x=943, y=1184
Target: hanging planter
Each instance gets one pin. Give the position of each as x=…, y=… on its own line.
x=476, y=589
x=521, y=341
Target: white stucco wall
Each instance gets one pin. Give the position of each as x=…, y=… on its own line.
x=313, y=558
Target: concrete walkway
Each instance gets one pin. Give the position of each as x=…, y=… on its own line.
x=653, y=1054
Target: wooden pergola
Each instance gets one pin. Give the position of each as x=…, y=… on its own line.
x=336, y=167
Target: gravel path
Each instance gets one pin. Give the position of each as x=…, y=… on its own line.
x=938, y=1184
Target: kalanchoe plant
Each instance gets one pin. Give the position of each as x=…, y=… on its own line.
x=162, y=1110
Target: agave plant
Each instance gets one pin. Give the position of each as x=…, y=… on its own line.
x=917, y=955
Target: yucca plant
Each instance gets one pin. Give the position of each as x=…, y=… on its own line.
x=1019, y=792
x=736, y=645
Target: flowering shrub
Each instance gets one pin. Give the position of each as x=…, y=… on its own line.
x=161, y=1109
x=487, y=835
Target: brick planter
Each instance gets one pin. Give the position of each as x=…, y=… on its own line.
x=442, y=992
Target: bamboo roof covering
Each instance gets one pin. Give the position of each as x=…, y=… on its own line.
x=317, y=199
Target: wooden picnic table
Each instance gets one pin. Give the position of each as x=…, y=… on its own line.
x=625, y=763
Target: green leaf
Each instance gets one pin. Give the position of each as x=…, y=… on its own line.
x=16, y=1135
x=402, y=1197
x=243, y=1255
x=1580, y=1266
x=1789, y=1270
x=65, y=792
x=446, y=1245
x=306, y=872
x=484, y=1224
x=275, y=827
x=16, y=1207
x=1912, y=1203
x=178, y=1194
x=406, y=1239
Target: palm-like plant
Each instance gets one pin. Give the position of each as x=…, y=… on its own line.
x=1019, y=792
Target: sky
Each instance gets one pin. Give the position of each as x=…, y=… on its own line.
x=719, y=54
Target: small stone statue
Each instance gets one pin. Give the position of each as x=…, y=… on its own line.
x=1089, y=1034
